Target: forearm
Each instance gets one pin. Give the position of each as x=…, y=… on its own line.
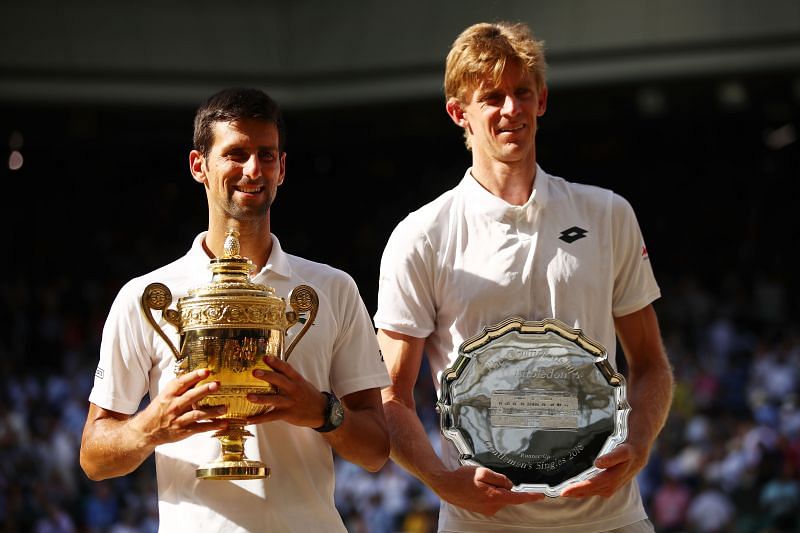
x=650, y=379
x=112, y=447
x=650, y=396
x=410, y=446
x=362, y=438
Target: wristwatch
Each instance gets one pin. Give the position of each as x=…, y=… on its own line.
x=334, y=413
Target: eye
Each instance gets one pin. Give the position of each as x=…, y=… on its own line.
x=239, y=156
x=267, y=155
x=491, y=98
x=524, y=92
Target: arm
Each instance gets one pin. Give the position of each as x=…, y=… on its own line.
x=649, y=388
x=115, y=444
x=361, y=439
x=474, y=488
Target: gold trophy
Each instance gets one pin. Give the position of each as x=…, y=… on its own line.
x=228, y=326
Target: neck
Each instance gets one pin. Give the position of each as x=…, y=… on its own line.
x=513, y=182
x=255, y=242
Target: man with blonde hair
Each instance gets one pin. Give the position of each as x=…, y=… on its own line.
x=512, y=240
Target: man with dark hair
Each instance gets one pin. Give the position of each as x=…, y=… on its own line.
x=231, y=104
x=511, y=240
x=239, y=159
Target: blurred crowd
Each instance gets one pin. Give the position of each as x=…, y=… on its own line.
x=728, y=460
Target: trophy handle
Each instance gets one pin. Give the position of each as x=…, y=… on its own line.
x=158, y=296
x=302, y=298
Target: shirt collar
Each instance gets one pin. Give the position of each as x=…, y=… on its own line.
x=197, y=254
x=484, y=202
x=278, y=262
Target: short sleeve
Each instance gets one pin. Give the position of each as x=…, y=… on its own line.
x=406, y=301
x=634, y=283
x=122, y=374
x=356, y=363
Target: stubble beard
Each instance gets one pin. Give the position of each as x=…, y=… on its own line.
x=249, y=212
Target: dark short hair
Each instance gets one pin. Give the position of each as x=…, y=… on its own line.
x=232, y=104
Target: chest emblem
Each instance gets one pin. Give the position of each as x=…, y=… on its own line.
x=572, y=234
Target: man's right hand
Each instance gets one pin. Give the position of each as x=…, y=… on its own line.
x=115, y=444
x=480, y=490
x=174, y=415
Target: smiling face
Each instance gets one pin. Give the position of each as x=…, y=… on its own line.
x=242, y=170
x=500, y=119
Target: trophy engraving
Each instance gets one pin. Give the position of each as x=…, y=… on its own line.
x=537, y=401
x=229, y=326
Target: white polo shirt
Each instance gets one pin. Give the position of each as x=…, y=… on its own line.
x=468, y=260
x=339, y=352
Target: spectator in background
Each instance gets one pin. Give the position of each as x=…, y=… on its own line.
x=779, y=499
x=711, y=511
x=670, y=503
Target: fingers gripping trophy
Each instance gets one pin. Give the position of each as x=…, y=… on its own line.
x=229, y=326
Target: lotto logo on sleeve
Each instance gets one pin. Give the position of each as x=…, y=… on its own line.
x=99, y=373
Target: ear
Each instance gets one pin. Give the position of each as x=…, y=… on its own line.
x=283, y=168
x=456, y=112
x=197, y=166
x=542, y=101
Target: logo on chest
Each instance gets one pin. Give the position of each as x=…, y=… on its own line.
x=572, y=234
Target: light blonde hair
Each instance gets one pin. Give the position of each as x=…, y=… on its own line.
x=484, y=49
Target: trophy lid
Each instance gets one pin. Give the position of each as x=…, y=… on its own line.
x=231, y=272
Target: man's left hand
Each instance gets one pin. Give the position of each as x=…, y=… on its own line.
x=620, y=466
x=296, y=400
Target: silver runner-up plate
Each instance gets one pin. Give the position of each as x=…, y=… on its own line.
x=537, y=401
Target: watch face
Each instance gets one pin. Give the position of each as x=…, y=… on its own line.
x=337, y=414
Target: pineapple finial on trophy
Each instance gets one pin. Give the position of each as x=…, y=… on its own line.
x=231, y=267
x=231, y=246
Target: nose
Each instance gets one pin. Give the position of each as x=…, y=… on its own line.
x=252, y=168
x=511, y=105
